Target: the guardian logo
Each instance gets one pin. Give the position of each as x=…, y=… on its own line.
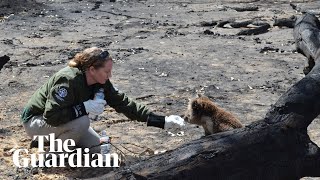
x=59, y=152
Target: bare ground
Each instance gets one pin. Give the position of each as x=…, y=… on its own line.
x=164, y=54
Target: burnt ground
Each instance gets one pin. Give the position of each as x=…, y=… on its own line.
x=165, y=52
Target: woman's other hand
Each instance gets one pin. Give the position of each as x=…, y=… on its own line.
x=95, y=107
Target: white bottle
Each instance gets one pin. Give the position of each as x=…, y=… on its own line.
x=98, y=95
x=105, y=144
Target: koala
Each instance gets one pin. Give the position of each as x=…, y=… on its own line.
x=202, y=111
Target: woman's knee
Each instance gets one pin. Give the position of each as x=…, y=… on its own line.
x=81, y=124
x=29, y=132
x=35, y=126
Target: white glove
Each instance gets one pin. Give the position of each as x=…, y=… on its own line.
x=95, y=107
x=173, y=121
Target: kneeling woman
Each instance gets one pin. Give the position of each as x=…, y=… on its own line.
x=62, y=104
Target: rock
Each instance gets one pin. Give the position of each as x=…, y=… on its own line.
x=269, y=49
x=96, y=5
x=3, y=60
x=241, y=24
x=208, y=32
x=76, y=11
x=222, y=23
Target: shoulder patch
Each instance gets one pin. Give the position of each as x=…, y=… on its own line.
x=61, y=92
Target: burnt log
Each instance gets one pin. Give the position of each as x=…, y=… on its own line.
x=285, y=22
x=246, y=8
x=255, y=31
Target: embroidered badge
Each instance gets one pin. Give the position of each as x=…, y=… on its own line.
x=62, y=92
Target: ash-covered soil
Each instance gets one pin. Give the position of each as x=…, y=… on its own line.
x=165, y=52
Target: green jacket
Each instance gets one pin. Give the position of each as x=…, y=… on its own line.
x=60, y=100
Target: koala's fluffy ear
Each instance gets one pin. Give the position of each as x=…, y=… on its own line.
x=194, y=96
x=199, y=95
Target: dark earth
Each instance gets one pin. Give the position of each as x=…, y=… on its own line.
x=239, y=53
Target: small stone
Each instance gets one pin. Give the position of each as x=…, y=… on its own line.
x=208, y=32
x=163, y=74
x=181, y=133
x=171, y=134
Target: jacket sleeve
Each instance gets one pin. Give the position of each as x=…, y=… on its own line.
x=60, y=107
x=122, y=104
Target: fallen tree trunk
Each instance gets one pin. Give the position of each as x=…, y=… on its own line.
x=274, y=148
